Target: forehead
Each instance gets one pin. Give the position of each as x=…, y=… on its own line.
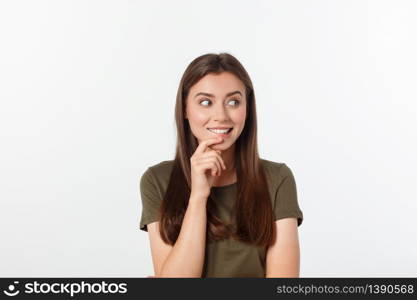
x=218, y=84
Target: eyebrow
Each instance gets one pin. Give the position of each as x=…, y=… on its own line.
x=211, y=95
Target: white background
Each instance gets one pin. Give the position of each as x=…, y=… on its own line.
x=87, y=92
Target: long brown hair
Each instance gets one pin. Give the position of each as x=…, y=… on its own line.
x=252, y=211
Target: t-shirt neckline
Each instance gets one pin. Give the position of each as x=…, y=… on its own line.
x=225, y=186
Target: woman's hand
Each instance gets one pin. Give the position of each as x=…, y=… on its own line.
x=205, y=159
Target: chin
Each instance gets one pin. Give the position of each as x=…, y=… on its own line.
x=221, y=146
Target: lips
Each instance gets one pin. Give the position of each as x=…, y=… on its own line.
x=220, y=130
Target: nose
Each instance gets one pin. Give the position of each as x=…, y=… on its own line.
x=220, y=112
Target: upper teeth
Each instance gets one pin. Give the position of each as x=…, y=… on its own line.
x=218, y=130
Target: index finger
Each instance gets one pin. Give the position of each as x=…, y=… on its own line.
x=204, y=144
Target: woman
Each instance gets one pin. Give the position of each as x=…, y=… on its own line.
x=218, y=209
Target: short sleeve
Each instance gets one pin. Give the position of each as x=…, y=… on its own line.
x=151, y=199
x=286, y=202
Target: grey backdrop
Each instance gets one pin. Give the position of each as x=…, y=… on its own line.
x=87, y=104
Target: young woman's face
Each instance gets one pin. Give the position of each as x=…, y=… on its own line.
x=217, y=101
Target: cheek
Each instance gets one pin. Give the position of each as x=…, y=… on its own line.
x=239, y=116
x=196, y=117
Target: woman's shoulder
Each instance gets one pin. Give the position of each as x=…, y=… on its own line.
x=276, y=170
x=159, y=172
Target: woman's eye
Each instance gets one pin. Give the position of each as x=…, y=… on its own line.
x=237, y=102
x=205, y=100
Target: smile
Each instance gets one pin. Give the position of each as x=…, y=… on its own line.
x=221, y=132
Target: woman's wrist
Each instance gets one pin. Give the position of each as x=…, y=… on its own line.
x=197, y=198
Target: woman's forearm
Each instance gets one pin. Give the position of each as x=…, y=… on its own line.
x=186, y=258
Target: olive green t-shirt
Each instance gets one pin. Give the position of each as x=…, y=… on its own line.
x=229, y=257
